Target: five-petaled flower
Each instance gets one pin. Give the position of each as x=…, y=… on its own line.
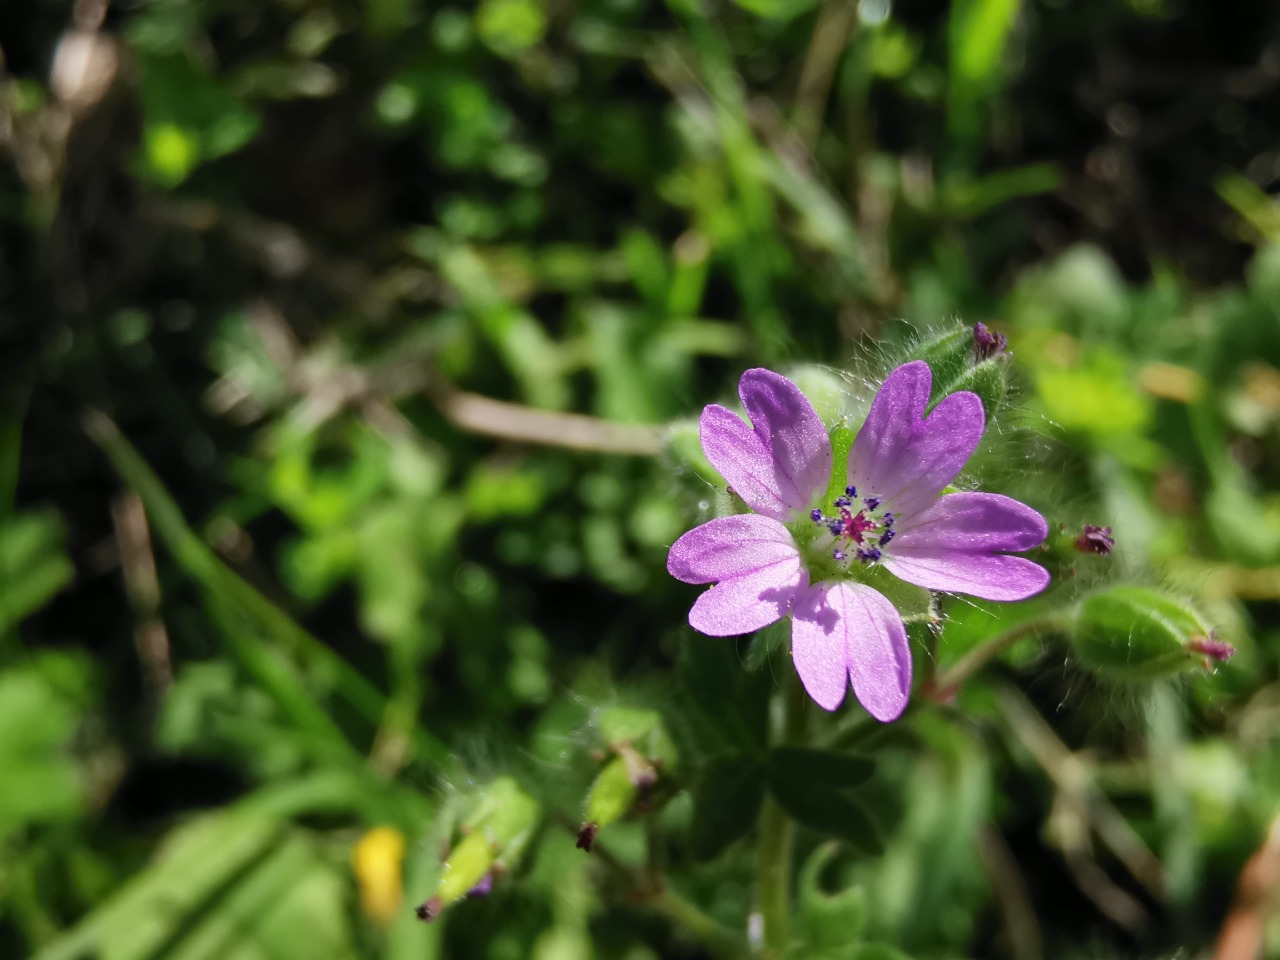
x=816, y=561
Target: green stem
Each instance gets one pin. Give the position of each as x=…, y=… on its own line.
x=946, y=683
x=773, y=859
x=714, y=936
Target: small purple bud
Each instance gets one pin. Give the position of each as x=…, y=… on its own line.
x=587, y=836
x=816, y=514
x=1096, y=540
x=429, y=910
x=988, y=343
x=1212, y=647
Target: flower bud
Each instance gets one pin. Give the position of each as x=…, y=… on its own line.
x=988, y=343
x=610, y=798
x=642, y=748
x=989, y=380
x=1095, y=539
x=640, y=730
x=1136, y=633
x=469, y=862
x=496, y=833
x=948, y=354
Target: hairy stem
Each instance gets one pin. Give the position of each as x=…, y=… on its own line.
x=947, y=682
x=773, y=858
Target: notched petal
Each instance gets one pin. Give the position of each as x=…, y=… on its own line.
x=729, y=547
x=849, y=630
x=904, y=457
x=748, y=603
x=780, y=463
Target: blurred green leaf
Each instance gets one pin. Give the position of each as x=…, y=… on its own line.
x=727, y=796
x=828, y=811
x=32, y=565
x=808, y=765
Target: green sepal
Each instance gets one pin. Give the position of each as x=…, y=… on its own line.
x=469, y=861
x=842, y=438
x=989, y=380
x=612, y=793
x=948, y=355
x=914, y=604
x=1136, y=633
x=765, y=641
x=642, y=730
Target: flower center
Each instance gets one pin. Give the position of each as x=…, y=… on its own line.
x=860, y=527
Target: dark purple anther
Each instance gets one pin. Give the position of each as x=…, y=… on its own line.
x=838, y=554
x=851, y=492
x=988, y=343
x=816, y=514
x=1096, y=540
x=483, y=888
x=871, y=502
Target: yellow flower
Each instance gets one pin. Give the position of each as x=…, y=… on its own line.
x=376, y=860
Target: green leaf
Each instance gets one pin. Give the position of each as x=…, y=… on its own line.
x=32, y=565
x=829, y=811
x=809, y=765
x=726, y=803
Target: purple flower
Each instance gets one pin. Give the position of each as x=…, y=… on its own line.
x=816, y=561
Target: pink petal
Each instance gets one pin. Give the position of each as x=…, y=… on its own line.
x=989, y=576
x=972, y=523
x=905, y=459
x=729, y=547
x=783, y=461
x=848, y=629
x=747, y=603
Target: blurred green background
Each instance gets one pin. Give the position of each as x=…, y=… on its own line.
x=339, y=345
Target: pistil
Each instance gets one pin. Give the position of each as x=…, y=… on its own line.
x=857, y=523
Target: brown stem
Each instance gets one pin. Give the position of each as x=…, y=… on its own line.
x=1257, y=898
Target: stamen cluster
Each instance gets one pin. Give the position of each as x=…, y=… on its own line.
x=865, y=529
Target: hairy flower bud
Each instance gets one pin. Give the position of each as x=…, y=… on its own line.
x=1136, y=633
x=641, y=749
x=495, y=835
x=1095, y=540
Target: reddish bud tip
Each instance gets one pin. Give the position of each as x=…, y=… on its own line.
x=587, y=836
x=1212, y=647
x=988, y=343
x=1096, y=540
x=429, y=910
